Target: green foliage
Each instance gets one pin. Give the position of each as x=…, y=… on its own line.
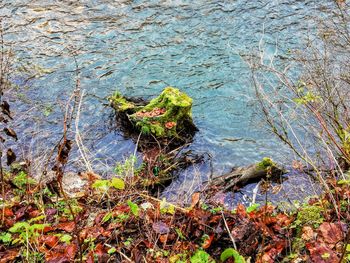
x=231, y=253
x=180, y=234
x=305, y=95
x=133, y=207
x=63, y=207
x=345, y=181
x=126, y=168
x=216, y=210
x=118, y=183
x=200, y=256
x=21, y=180
x=166, y=208
x=26, y=231
x=252, y=208
x=105, y=185
x=120, y=103
x=102, y=185
x=309, y=215
x=66, y=238
x=112, y=250
x=265, y=163
x=5, y=238
x=308, y=97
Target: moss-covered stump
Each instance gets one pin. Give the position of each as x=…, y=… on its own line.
x=165, y=118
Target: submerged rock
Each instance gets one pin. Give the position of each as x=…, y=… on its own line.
x=168, y=116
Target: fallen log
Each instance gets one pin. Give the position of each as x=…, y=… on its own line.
x=241, y=176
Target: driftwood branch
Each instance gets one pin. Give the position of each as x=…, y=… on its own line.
x=243, y=175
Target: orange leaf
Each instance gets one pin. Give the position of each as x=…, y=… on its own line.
x=50, y=241
x=68, y=226
x=331, y=233
x=195, y=199
x=71, y=251
x=206, y=244
x=8, y=212
x=308, y=233
x=241, y=211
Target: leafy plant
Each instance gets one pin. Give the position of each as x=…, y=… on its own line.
x=231, y=253
x=133, y=207
x=5, y=238
x=252, y=208
x=26, y=231
x=166, y=207
x=200, y=256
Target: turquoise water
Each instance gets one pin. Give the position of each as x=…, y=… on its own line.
x=139, y=47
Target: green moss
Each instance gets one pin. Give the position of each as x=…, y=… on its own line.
x=120, y=103
x=310, y=215
x=265, y=163
x=164, y=116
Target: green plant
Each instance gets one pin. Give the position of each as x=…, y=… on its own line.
x=252, y=208
x=127, y=168
x=231, y=253
x=63, y=207
x=309, y=215
x=166, y=208
x=200, y=256
x=133, y=207
x=5, y=238
x=26, y=231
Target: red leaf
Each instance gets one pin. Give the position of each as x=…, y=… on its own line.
x=48, y=229
x=241, y=210
x=99, y=250
x=331, y=233
x=8, y=212
x=68, y=227
x=34, y=213
x=322, y=254
x=90, y=257
x=206, y=244
x=71, y=250
x=50, y=241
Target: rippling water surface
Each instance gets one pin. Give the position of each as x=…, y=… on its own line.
x=139, y=47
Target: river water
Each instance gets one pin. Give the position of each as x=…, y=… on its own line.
x=140, y=47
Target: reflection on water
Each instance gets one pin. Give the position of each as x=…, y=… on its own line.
x=139, y=47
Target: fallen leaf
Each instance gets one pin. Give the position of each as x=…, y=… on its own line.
x=307, y=233
x=67, y=226
x=206, y=244
x=321, y=253
x=195, y=199
x=8, y=212
x=70, y=251
x=49, y=241
x=331, y=232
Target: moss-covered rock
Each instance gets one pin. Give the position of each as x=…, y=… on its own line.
x=167, y=116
